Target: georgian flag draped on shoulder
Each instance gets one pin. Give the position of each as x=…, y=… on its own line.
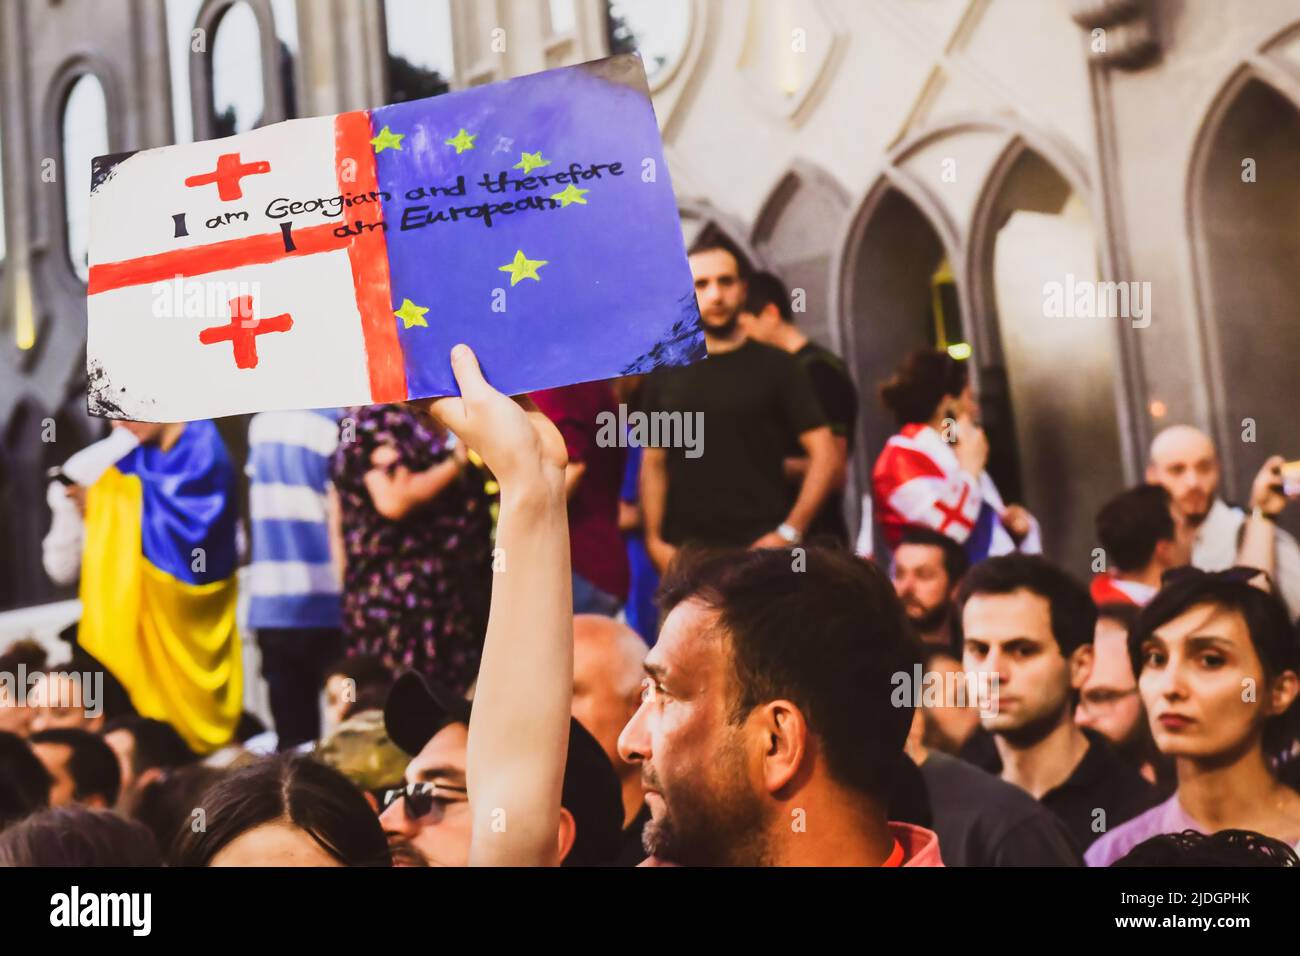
x=918, y=482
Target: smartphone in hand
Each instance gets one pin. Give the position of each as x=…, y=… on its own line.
x=1291, y=479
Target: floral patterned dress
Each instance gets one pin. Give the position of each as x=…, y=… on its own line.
x=415, y=591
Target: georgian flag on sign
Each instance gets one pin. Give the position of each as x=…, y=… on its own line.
x=335, y=261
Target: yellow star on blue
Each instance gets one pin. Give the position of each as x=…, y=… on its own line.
x=462, y=141
x=530, y=161
x=411, y=314
x=387, y=139
x=522, y=267
x=570, y=195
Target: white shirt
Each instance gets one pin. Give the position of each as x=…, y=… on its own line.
x=1216, y=545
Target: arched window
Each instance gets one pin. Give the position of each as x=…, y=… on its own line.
x=658, y=29
x=238, y=101
x=85, y=136
x=1246, y=220
x=420, y=58
x=284, y=14
x=181, y=45
x=233, y=58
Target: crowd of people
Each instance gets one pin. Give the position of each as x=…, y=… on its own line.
x=490, y=635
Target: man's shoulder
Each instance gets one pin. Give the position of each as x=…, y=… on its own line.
x=1116, y=843
x=1104, y=766
x=979, y=788
x=815, y=353
x=761, y=355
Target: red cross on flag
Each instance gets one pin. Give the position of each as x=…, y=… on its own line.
x=207, y=302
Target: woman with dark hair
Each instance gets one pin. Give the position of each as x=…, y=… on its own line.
x=77, y=836
x=931, y=473
x=1219, y=672
x=287, y=810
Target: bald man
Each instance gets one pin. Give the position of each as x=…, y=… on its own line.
x=607, y=677
x=1183, y=459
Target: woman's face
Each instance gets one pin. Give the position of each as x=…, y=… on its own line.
x=1203, y=685
x=278, y=843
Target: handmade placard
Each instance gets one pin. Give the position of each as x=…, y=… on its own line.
x=335, y=261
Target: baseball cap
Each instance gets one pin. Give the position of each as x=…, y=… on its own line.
x=419, y=707
x=360, y=749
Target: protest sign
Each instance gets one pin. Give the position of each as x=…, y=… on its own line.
x=335, y=261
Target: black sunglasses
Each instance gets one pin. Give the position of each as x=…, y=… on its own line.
x=419, y=798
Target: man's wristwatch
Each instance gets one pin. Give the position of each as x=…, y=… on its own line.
x=789, y=533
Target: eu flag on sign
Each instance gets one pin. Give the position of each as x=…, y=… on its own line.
x=336, y=261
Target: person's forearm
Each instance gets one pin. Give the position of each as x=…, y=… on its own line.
x=573, y=473
x=396, y=495
x=1258, y=545
x=817, y=485
x=797, y=468
x=654, y=492
x=525, y=684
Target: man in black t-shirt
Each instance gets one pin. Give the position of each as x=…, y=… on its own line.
x=754, y=402
x=767, y=317
x=1029, y=626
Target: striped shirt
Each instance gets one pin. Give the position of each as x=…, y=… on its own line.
x=291, y=580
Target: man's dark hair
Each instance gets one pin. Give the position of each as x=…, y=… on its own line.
x=1225, y=848
x=25, y=652
x=92, y=764
x=157, y=744
x=1131, y=524
x=955, y=560
x=828, y=638
x=370, y=677
x=24, y=781
x=764, y=289
x=711, y=239
x=77, y=836
x=1270, y=629
x=313, y=797
x=1074, y=618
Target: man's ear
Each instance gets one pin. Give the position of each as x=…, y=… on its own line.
x=1081, y=665
x=1151, y=475
x=784, y=739
x=567, y=835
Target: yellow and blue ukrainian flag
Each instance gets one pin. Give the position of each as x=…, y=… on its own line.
x=158, y=584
